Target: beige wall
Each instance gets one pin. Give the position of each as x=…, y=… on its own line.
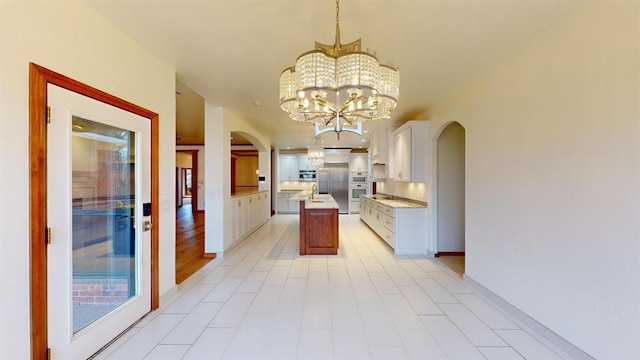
x=69, y=38
x=553, y=177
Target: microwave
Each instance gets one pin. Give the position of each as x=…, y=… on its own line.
x=307, y=175
x=358, y=177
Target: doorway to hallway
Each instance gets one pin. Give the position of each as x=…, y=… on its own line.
x=190, y=223
x=450, y=193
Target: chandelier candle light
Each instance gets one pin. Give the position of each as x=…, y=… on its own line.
x=338, y=87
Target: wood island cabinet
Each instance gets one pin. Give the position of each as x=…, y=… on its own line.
x=318, y=231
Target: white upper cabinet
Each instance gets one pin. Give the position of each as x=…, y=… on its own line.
x=378, y=146
x=289, y=170
x=358, y=162
x=411, y=152
x=303, y=162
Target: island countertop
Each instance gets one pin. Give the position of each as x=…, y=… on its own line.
x=319, y=201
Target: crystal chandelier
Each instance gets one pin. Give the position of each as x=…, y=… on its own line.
x=338, y=87
x=315, y=156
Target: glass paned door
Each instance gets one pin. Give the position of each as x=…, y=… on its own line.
x=103, y=214
x=99, y=258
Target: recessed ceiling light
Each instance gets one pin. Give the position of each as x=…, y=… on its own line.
x=366, y=131
x=288, y=148
x=257, y=102
x=363, y=140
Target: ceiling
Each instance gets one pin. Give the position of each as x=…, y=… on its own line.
x=231, y=52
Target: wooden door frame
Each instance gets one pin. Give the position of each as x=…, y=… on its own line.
x=39, y=77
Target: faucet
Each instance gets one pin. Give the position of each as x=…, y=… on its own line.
x=314, y=190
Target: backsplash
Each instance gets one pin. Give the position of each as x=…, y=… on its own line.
x=410, y=190
x=295, y=185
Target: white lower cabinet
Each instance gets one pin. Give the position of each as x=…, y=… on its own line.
x=403, y=228
x=283, y=203
x=294, y=206
x=287, y=206
x=354, y=207
x=248, y=213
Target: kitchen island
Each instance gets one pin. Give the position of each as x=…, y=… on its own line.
x=318, y=224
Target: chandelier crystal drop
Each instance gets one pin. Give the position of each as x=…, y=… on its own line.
x=315, y=156
x=338, y=87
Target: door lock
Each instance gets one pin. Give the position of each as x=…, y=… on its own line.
x=146, y=225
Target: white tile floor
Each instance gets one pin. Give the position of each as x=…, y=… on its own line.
x=264, y=301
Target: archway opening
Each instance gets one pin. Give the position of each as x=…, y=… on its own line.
x=450, y=188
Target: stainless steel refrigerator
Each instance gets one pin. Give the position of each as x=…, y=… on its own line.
x=333, y=179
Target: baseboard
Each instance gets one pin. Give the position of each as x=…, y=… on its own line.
x=541, y=330
x=168, y=296
x=209, y=255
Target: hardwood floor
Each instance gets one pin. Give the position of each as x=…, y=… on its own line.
x=455, y=263
x=189, y=242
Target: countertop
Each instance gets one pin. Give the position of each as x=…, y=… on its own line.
x=301, y=195
x=394, y=202
x=319, y=201
x=247, y=192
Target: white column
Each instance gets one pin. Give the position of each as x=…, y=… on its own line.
x=214, y=188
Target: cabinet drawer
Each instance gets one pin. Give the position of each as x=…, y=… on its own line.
x=387, y=221
x=387, y=210
x=387, y=236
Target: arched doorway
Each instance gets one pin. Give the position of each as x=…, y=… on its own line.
x=450, y=189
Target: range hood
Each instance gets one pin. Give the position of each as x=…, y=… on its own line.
x=379, y=171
